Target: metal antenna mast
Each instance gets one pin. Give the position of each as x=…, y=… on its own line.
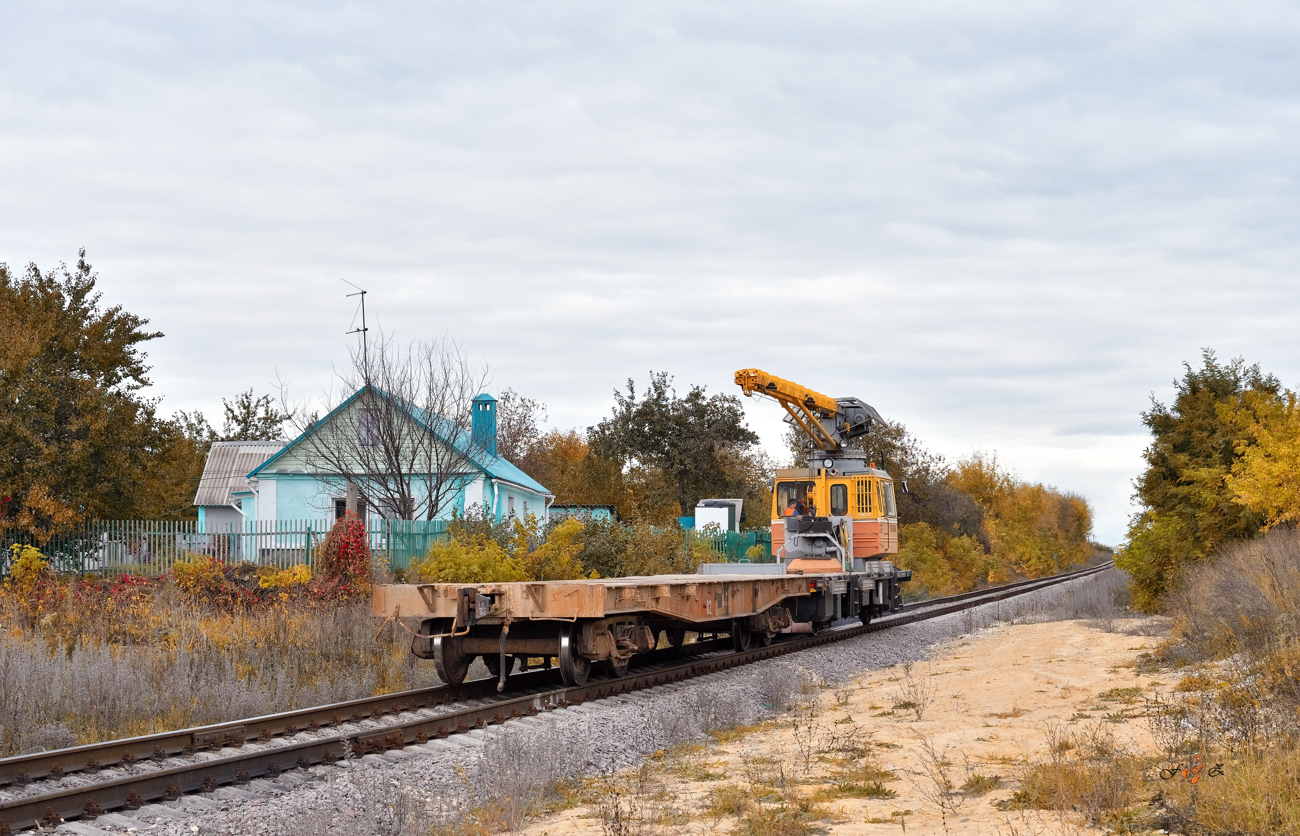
x=365, y=354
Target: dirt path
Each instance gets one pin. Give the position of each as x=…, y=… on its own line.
x=984, y=706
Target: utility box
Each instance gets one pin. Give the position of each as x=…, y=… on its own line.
x=725, y=513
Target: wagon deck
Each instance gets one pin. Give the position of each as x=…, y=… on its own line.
x=690, y=598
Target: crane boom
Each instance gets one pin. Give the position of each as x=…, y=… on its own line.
x=828, y=422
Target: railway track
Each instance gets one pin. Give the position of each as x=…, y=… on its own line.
x=170, y=765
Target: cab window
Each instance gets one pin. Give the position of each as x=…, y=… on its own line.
x=794, y=498
x=890, y=511
x=839, y=500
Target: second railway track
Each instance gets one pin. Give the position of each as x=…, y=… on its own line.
x=203, y=759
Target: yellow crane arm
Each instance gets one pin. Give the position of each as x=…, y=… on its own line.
x=805, y=407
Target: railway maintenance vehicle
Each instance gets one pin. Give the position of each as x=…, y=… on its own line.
x=833, y=524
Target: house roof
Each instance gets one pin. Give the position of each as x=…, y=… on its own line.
x=228, y=461
x=445, y=431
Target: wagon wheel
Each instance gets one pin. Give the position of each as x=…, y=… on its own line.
x=449, y=661
x=493, y=663
x=574, y=669
x=741, y=638
x=676, y=638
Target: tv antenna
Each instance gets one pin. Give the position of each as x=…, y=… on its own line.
x=365, y=356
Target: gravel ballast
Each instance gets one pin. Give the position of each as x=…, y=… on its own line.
x=405, y=791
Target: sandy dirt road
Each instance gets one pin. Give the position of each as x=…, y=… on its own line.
x=990, y=702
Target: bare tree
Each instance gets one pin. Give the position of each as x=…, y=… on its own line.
x=517, y=425
x=401, y=432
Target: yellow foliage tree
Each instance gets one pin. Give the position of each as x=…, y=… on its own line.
x=919, y=550
x=1266, y=476
x=944, y=564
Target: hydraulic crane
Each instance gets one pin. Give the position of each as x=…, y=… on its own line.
x=838, y=512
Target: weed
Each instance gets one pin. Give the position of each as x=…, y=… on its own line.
x=797, y=816
x=850, y=789
x=978, y=784
x=728, y=800
x=935, y=784
x=914, y=694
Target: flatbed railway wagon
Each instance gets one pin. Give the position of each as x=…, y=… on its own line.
x=604, y=624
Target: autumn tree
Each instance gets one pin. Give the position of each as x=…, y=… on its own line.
x=684, y=438
x=1188, y=505
x=563, y=461
x=78, y=437
x=1265, y=478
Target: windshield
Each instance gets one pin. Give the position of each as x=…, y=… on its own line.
x=889, y=500
x=794, y=499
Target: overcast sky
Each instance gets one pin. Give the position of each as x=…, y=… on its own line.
x=1005, y=224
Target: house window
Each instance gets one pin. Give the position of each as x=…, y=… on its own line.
x=341, y=508
x=510, y=505
x=368, y=427
x=525, y=509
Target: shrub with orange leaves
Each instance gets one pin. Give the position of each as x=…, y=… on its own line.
x=344, y=569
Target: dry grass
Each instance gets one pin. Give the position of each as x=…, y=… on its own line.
x=149, y=660
x=1232, y=722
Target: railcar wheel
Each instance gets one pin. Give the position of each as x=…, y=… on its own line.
x=448, y=660
x=676, y=638
x=574, y=669
x=493, y=664
x=618, y=670
x=765, y=638
x=864, y=615
x=741, y=638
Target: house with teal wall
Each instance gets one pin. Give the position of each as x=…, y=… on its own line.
x=293, y=484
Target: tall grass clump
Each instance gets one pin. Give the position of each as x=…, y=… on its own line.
x=89, y=659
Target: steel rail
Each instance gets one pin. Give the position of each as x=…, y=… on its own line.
x=133, y=791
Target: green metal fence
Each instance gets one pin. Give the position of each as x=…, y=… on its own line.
x=146, y=547
x=735, y=546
